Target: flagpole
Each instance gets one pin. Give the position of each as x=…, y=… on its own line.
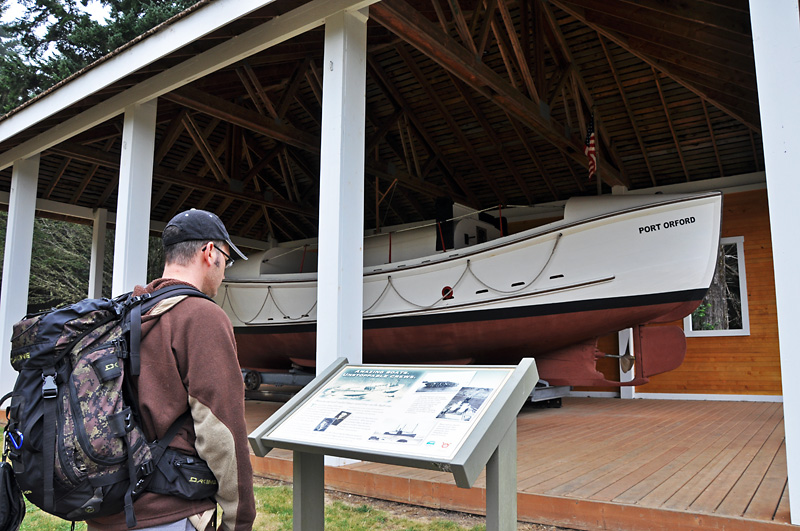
x=597, y=154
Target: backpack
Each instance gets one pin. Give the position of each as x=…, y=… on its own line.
x=74, y=434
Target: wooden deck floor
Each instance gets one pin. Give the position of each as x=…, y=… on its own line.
x=609, y=464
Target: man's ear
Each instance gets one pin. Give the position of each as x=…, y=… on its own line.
x=208, y=252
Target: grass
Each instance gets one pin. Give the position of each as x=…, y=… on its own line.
x=274, y=513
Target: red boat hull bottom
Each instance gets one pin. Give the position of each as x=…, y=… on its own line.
x=563, y=344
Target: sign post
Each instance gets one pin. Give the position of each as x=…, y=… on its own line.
x=457, y=419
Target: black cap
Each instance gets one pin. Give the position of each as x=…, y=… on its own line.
x=198, y=225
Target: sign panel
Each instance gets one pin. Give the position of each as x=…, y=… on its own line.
x=409, y=411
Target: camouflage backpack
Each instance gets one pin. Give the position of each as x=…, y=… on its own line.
x=74, y=435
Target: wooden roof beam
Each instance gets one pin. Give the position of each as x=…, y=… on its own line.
x=461, y=24
x=57, y=175
x=235, y=114
x=294, y=85
x=381, y=130
x=718, y=98
x=400, y=18
x=483, y=33
x=534, y=156
x=399, y=101
x=89, y=175
x=580, y=84
x=671, y=126
x=433, y=97
x=728, y=27
x=519, y=53
x=505, y=53
x=265, y=162
x=170, y=136
x=192, y=151
x=159, y=194
x=172, y=176
x=204, y=201
x=628, y=110
x=314, y=81
x=256, y=92
x=177, y=205
x=203, y=146
x=241, y=211
x=476, y=111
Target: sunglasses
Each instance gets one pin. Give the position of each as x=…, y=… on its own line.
x=228, y=259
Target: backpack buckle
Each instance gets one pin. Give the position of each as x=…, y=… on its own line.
x=49, y=388
x=121, y=346
x=147, y=468
x=139, y=298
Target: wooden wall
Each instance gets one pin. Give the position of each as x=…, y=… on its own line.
x=738, y=365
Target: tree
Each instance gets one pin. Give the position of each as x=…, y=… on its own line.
x=48, y=42
x=721, y=308
x=60, y=262
x=53, y=39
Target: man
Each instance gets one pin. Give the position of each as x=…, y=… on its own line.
x=188, y=361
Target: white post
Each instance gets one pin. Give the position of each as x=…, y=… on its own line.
x=776, y=43
x=17, y=260
x=133, y=202
x=625, y=342
x=341, y=207
x=98, y=253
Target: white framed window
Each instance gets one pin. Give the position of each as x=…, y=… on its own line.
x=723, y=311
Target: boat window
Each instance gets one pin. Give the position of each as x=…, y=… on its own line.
x=724, y=310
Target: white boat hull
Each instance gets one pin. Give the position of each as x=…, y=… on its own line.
x=601, y=269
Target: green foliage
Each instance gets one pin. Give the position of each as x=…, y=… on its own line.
x=700, y=318
x=60, y=262
x=53, y=39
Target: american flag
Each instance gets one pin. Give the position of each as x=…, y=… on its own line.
x=591, y=149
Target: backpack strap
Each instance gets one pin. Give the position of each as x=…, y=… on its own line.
x=50, y=396
x=140, y=306
x=157, y=450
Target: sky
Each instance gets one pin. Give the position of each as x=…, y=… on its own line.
x=94, y=8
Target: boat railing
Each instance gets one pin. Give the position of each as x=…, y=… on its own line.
x=306, y=248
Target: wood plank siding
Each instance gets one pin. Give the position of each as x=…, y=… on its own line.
x=738, y=365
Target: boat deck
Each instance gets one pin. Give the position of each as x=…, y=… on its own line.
x=602, y=463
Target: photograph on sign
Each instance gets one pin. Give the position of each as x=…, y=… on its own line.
x=409, y=410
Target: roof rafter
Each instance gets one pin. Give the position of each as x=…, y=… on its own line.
x=399, y=18
x=92, y=155
x=715, y=96
x=446, y=115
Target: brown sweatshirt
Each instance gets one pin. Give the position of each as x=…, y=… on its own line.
x=188, y=360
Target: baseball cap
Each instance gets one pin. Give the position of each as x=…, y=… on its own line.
x=198, y=225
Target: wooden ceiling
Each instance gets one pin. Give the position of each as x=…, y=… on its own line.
x=482, y=101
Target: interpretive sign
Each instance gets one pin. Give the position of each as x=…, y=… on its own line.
x=458, y=419
x=409, y=411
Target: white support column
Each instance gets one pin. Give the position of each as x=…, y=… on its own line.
x=97, y=259
x=776, y=43
x=133, y=202
x=341, y=207
x=17, y=259
x=625, y=342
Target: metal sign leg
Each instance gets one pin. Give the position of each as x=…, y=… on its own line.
x=501, y=484
x=308, y=496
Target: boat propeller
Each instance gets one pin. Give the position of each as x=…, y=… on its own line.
x=625, y=361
